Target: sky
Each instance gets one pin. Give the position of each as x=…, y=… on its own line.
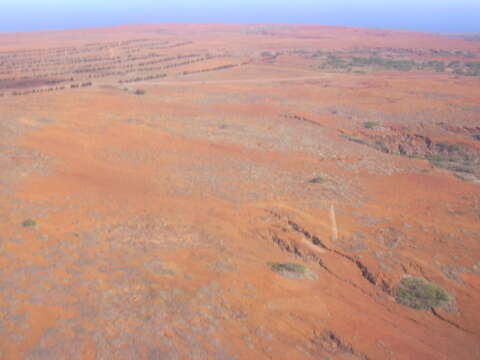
x=426, y=15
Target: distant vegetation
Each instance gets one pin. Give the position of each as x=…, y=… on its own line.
x=419, y=294
x=467, y=69
x=139, y=92
x=347, y=62
x=386, y=63
x=337, y=62
x=266, y=54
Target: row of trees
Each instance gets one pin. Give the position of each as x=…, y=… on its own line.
x=26, y=82
x=50, y=89
x=114, y=65
x=222, y=67
x=139, y=78
x=62, y=56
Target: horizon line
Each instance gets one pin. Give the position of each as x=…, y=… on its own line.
x=443, y=33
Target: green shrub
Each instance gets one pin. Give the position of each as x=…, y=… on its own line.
x=354, y=139
x=370, y=124
x=415, y=156
x=29, y=223
x=289, y=269
x=266, y=54
x=434, y=159
x=459, y=163
x=139, y=92
x=419, y=294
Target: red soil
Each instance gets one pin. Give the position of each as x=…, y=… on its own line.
x=157, y=214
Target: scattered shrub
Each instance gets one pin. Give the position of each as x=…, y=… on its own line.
x=139, y=92
x=465, y=168
x=29, y=223
x=415, y=156
x=434, y=159
x=317, y=180
x=434, y=65
x=419, y=294
x=459, y=163
x=337, y=62
x=445, y=146
x=385, y=63
x=370, y=124
x=289, y=269
x=354, y=139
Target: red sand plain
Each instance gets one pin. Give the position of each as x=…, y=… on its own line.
x=157, y=215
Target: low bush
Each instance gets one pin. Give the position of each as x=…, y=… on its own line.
x=317, y=180
x=415, y=156
x=370, y=124
x=289, y=269
x=419, y=294
x=354, y=139
x=29, y=223
x=434, y=159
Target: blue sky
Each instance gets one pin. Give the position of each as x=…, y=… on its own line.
x=427, y=15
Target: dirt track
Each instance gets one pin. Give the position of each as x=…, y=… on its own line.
x=233, y=81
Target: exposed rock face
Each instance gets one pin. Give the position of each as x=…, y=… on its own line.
x=461, y=156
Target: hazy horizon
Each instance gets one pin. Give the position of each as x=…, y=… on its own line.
x=432, y=16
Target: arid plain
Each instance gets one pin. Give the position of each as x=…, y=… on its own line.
x=238, y=192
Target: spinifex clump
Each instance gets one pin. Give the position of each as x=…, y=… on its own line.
x=420, y=294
